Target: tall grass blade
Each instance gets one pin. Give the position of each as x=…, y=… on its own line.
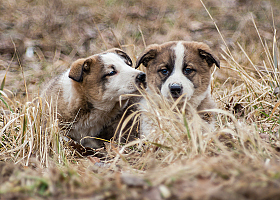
x=5, y=103
x=24, y=128
x=3, y=83
x=275, y=52
x=187, y=127
x=275, y=57
x=275, y=108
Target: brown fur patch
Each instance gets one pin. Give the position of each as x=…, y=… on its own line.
x=84, y=101
x=76, y=70
x=197, y=55
x=197, y=58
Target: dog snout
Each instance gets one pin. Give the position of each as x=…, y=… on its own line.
x=141, y=77
x=175, y=90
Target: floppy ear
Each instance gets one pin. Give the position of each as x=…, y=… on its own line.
x=149, y=54
x=78, y=68
x=209, y=57
x=126, y=58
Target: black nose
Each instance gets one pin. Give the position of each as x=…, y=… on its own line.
x=141, y=77
x=175, y=90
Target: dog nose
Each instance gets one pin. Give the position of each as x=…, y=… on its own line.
x=141, y=77
x=175, y=90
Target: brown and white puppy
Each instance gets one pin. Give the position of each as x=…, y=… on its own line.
x=88, y=95
x=180, y=68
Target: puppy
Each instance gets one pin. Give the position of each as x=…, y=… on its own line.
x=88, y=96
x=179, y=68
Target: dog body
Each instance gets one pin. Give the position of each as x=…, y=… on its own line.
x=179, y=68
x=88, y=96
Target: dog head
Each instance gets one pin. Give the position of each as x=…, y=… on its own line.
x=177, y=68
x=105, y=77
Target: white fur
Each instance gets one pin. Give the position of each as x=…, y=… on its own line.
x=179, y=52
x=121, y=83
x=177, y=75
x=66, y=83
x=198, y=99
x=146, y=124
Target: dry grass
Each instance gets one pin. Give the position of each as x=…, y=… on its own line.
x=183, y=159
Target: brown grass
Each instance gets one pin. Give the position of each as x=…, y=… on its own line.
x=182, y=159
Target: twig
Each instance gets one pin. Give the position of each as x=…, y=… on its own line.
x=100, y=34
x=16, y=53
x=119, y=44
x=143, y=39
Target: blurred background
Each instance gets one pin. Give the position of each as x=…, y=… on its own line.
x=40, y=38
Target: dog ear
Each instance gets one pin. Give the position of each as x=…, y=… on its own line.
x=149, y=54
x=78, y=68
x=209, y=57
x=126, y=58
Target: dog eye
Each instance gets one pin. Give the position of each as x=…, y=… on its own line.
x=111, y=73
x=164, y=71
x=188, y=71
